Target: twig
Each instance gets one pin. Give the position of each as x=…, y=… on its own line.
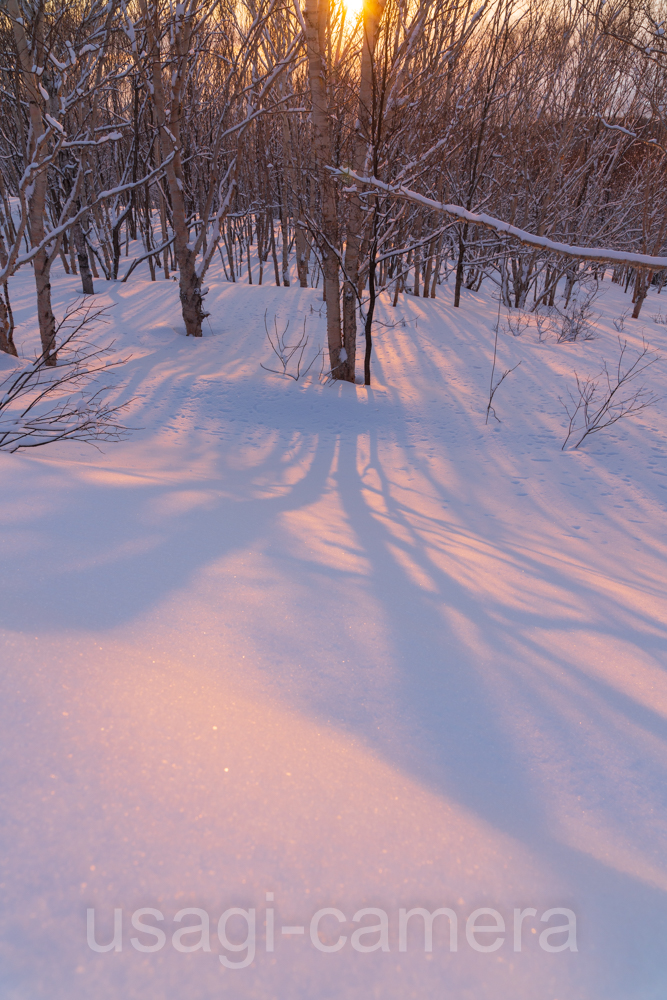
x=23, y=421
x=603, y=399
x=285, y=352
x=494, y=388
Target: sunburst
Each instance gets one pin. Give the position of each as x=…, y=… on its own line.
x=353, y=8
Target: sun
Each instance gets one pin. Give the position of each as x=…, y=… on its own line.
x=354, y=8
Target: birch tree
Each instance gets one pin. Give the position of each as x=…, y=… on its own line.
x=181, y=51
x=60, y=59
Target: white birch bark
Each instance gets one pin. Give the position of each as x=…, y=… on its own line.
x=36, y=151
x=361, y=141
x=316, y=17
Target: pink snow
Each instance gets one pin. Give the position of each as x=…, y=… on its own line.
x=349, y=646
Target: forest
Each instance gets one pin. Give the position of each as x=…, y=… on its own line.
x=511, y=143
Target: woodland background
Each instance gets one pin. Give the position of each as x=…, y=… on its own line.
x=206, y=128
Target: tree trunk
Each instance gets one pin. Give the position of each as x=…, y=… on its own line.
x=428, y=267
x=46, y=319
x=82, y=257
x=273, y=251
x=284, y=232
x=362, y=138
x=641, y=288
x=29, y=59
x=317, y=19
x=436, y=266
x=169, y=132
x=572, y=273
x=301, y=260
x=369, y=318
x=459, y=266
x=6, y=325
x=115, y=238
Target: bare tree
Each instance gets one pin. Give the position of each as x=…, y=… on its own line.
x=54, y=78
x=189, y=33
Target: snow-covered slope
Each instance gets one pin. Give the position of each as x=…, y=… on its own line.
x=351, y=647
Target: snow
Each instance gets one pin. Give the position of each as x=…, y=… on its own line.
x=500, y=226
x=349, y=646
x=54, y=123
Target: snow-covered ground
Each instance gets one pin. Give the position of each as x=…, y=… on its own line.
x=351, y=647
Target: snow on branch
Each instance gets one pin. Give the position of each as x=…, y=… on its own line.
x=499, y=226
x=15, y=262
